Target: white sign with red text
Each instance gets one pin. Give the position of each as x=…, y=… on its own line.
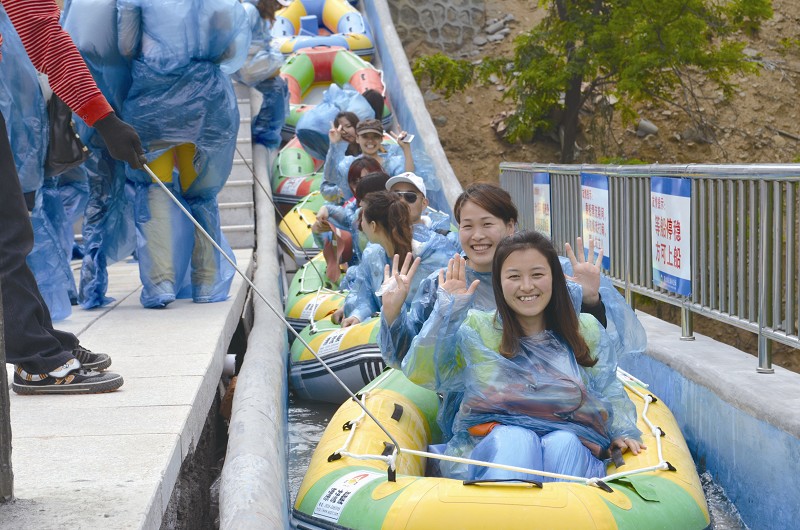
x=541, y=204
x=671, y=222
x=594, y=213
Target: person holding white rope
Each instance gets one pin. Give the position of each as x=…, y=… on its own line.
x=539, y=383
x=48, y=360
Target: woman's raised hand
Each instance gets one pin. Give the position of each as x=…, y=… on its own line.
x=396, y=285
x=335, y=134
x=584, y=272
x=454, y=278
x=400, y=139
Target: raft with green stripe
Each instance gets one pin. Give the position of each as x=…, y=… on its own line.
x=340, y=491
x=323, y=65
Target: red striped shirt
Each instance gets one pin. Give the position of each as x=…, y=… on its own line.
x=53, y=53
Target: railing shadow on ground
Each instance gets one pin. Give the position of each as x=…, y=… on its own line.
x=744, y=238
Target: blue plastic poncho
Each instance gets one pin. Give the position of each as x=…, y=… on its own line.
x=626, y=332
x=334, y=187
x=263, y=60
x=108, y=231
x=434, y=251
x=260, y=71
x=313, y=126
x=395, y=340
x=541, y=388
x=180, y=94
x=23, y=108
x=73, y=188
x=49, y=262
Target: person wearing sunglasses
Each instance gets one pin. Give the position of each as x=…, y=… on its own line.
x=411, y=188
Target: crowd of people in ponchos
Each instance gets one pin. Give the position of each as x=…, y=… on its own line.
x=521, y=344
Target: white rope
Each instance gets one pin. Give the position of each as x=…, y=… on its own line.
x=263, y=298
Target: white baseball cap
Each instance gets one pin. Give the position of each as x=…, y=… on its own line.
x=409, y=177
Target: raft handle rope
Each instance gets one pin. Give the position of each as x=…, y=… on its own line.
x=593, y=481
x=275, y=206
x=263, y=298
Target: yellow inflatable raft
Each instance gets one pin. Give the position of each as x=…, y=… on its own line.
x=343, y=490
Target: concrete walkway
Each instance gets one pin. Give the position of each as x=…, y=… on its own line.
x=111, y=460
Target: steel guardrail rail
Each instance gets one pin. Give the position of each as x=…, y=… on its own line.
x=744, y=238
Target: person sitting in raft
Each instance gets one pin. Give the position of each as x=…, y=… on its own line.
x=386, y=222
x=485, y=214
x=394, y=158
x=539, y=383
x=411, y=189
x=331, y=217
x=343, y=215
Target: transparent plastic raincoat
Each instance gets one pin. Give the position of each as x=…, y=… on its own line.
x=335, y=188
x=314, y=124
x=182, y=52
x=395, y=340
x=108, y=231
x=433, y=249
x=23, y=106
x=541, y=388
x=260, y=71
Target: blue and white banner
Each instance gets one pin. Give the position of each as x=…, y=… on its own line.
x=671, y=222
x=541, y=204
x=594, y=209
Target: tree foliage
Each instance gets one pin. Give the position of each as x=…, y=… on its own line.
x=635, y=50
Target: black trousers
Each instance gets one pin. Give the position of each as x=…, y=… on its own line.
x=31, y=340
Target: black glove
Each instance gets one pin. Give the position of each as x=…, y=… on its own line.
x=122, y=140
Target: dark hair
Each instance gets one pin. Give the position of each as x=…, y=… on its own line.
x=391, y=212
x=267, y=9
x=559, y=315
x=491, y=198
x=375, y=100
x=371, y=183
x=358, y=166
x=353, y=149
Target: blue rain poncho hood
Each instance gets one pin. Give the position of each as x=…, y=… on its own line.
x=541, y=388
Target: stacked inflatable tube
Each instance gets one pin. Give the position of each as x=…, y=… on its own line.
x=308, y=23
x=323, y=65
x=343, y=492
x=352, y=353
x=311, y=296
x=295, y=173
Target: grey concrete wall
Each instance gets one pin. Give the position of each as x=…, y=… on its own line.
x=741, y=426
x=448, y=24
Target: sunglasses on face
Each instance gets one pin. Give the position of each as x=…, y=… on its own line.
x=409, y=196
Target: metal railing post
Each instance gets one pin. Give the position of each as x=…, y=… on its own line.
x=687, y=324
x=765, y=294
x=6, y=473
x=626, y=239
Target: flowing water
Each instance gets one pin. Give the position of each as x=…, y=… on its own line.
x=307, y=422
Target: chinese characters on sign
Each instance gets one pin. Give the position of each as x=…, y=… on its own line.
x=670, y=217
x=541, y=203
x=336, y=497
x=595, y=215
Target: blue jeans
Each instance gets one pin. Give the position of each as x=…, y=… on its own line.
x=556, y=452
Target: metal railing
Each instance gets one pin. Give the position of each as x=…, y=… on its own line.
x=744, y=239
